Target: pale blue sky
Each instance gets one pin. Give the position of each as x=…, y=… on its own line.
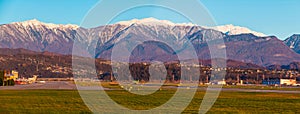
x=273, y=17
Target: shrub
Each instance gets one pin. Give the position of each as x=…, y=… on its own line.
x=11, y=82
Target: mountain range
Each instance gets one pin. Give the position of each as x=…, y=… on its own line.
x=293, y=42
x=241, y=44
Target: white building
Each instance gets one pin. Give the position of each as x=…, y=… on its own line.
x=223, y=82
x=287, y=81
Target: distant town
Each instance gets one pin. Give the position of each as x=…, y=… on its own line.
x=233, y=76
x=19, y=66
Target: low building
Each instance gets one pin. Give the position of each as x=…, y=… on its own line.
x=288, y=81
x=11, y=75
x=271, y=82
x=279, y=82
x=223, y=82
x=15, y=74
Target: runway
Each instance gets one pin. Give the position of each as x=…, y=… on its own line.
x=69, y=85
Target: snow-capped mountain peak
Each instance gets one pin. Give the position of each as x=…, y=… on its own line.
x=229, y=29
x=35, y=22
x=153, y=22
x=235, y=30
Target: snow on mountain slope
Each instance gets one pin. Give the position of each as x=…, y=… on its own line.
x=35, y=22
x=230, y=29
x=38, y=36
x=153, y=21
x=235, y=30
x=240, y=45
x=293, y=42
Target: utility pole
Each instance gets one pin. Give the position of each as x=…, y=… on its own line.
x=173, y=78
x=238, y=78
x=111, y=77
x=206, y=78
x=257, y=78
x=37, y=66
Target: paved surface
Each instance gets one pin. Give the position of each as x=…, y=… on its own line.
x=68, y=85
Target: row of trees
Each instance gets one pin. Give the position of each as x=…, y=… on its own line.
x=172, y=73
x=7, y=83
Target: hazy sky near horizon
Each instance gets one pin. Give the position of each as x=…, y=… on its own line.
x=272, y=17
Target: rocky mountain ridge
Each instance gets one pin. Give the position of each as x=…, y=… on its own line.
x=245, y=47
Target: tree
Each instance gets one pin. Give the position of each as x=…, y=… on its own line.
x=1, y=82
x=11, y=82
x=1, y=78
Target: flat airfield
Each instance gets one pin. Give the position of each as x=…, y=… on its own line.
x=70, y=85
x=63, y=97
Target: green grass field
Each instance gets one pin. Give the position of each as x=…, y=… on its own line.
x=41, y=101
x=69, y=101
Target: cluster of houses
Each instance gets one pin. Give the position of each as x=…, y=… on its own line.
x=11, y=77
